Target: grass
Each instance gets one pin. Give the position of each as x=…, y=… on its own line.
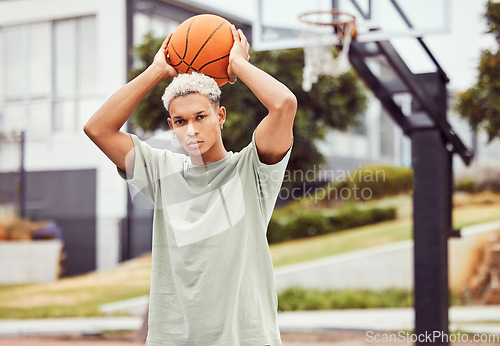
x=82, y=295
x=76, y=296
x=300, y=250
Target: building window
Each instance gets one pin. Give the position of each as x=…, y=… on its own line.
x=48, y=73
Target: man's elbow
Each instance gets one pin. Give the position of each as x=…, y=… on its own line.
x=91, y=130
x=88, y=130
x=293, y=104
x=287, y=105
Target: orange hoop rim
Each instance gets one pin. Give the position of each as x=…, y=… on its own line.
x=337, y=24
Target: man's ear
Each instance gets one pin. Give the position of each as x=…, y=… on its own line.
x=221, y=113
x=170, y=123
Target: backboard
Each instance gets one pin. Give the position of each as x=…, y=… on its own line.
x=276, y=24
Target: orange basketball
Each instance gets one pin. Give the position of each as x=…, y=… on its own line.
x=202, y=44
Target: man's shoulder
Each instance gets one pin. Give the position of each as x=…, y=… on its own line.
x=159, y=149
x=244, y=153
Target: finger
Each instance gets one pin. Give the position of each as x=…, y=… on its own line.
x=243, y=39
x=165, y=43
x=236, y=35
x=169, y=37
x=242, y=36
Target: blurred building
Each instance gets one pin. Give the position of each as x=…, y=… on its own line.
x=59, y=61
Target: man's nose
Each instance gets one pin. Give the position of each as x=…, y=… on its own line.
x=191, y=129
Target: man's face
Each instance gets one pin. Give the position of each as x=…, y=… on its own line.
x=196, y=123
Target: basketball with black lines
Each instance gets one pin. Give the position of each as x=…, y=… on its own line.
x=202, y=44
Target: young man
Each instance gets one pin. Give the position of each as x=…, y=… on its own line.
x=212, y=280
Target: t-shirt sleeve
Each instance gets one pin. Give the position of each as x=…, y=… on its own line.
x=144, y=178
x=268, y=178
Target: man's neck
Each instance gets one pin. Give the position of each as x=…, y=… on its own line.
x=214, y=154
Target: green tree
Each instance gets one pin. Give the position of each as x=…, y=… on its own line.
x=332, y=103
x=480, y=104
x=150, y=114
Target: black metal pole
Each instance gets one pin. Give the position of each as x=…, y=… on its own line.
x=126, y=238
x=431, y=163
x=433, y=145
x=432, y=207
x=22, y=187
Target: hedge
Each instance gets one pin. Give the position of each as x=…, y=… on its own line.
x=376, y=182
x=309, y=223
x=296, y=299
x=479, y=178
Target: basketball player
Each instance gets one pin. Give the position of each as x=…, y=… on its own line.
x=212, y=279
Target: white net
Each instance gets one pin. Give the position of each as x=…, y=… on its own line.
x=319, y=58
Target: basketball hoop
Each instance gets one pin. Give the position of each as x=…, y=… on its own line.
x=319, y=58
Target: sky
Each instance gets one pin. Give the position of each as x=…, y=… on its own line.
x=457, y=51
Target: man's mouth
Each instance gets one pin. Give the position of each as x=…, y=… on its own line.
x=194, y=144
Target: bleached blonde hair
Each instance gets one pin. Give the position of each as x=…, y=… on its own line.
x=191, y=83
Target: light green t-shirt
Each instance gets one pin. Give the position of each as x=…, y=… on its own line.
x=212, y=279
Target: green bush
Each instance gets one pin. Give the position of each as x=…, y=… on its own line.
x=467, y=185
x=276, y=231
x=371, y=182
x=309, y=223
x=479, y=178
x=385, y=180
x=296, y=299
x=353, y=217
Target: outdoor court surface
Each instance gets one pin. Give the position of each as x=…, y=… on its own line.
x=345, y=338
x=289, y=339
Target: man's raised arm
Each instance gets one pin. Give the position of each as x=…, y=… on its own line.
x=274, y=134
x=103, y=128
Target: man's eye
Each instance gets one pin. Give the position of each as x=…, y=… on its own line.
x=179, y=122
x=201, y=117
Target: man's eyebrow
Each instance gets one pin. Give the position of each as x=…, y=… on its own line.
x=195, y=114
